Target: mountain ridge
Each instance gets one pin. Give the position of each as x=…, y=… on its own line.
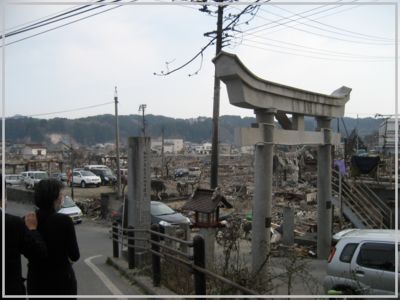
x=101, y=128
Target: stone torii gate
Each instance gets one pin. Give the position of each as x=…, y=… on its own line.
x=269, y=100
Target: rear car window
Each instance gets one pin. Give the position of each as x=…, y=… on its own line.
x=348, y=252
x=377, y=256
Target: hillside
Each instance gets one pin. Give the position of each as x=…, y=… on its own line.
x=100, y=129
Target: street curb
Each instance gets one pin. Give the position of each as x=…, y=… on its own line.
x=143, y=282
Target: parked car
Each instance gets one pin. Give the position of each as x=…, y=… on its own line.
x=70, y=208
x=161, y=214
x=31, y=178
x=85, y=178
x=12, y=180
x=362, y=262
x=106, y=175
x=181, y=172
x=60, y=176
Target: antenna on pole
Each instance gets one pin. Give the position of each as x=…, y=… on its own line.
x=142, y=108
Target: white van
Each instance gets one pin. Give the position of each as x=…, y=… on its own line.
x=30, y=178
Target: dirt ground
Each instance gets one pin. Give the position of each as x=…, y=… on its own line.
x=89, y=192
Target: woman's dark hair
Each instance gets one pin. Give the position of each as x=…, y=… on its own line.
x=46, y=192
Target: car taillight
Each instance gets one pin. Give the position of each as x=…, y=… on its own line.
x=332, y=254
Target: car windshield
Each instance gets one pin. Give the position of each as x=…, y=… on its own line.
x=159, y=209
x=40, y=175
x=87, y=173
x=68, y=202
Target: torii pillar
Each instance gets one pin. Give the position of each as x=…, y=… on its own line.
x=271, y=100
x=262, y=203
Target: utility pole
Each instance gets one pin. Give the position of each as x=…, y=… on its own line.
x=162, y=151
x=217, y=86
x=142, y=108
x=71, y=158
x=72, y=171
x=117, y=144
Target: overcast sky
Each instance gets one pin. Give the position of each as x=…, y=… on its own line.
x=313, y=47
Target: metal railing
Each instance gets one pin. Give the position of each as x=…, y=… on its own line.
x=195, y=263
x=364, y=203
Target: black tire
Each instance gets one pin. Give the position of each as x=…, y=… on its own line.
x=83, y=184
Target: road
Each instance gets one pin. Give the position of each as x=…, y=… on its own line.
x=94, y=276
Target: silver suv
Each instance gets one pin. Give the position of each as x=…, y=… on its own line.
x=362, y=263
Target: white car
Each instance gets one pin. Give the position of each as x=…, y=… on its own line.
x=70, y=208
x=12, y=180
x=31, y=178
x=362, y=263
x=84, y=178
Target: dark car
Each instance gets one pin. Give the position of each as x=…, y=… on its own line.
x=106, y=175
x=161, y=214
x=181, y=172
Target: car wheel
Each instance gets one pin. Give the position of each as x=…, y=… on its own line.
x=83, y=184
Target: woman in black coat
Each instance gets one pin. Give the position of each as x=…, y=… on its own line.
x=53, y=275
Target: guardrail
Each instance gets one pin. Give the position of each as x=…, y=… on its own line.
x=195, y=263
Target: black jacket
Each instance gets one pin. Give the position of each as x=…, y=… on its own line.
x=19, y=240
x=54, y=275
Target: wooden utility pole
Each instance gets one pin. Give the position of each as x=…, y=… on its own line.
x=217, y=86
x=117, y=145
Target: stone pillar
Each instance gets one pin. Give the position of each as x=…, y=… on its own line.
x=288, y=226
x=262, y=201
x=324, y=193
x=138, y=208
x=209, y=240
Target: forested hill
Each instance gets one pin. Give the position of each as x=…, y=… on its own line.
x=101, y=128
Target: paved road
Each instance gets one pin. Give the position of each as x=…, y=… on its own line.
x=93, y=275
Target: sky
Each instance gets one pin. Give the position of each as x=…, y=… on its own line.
x=313, y=47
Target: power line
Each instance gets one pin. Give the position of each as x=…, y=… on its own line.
x=43, y=22
x=63, y=25
x=57, y=19
x=331, y=31
x=335, y=27
x=321, y=51
x=347, y=8
x=317, y=34
x=303, y=12
x=309, y=56
x=29, y=23
x=71, y=110
x=278, y=24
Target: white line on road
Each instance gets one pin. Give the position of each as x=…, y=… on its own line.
x=107, y=282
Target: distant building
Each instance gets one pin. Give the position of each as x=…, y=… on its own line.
x=172, y=146
x=35, y=151
x=387, y=136
x=247, y=149
x=204, y=149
